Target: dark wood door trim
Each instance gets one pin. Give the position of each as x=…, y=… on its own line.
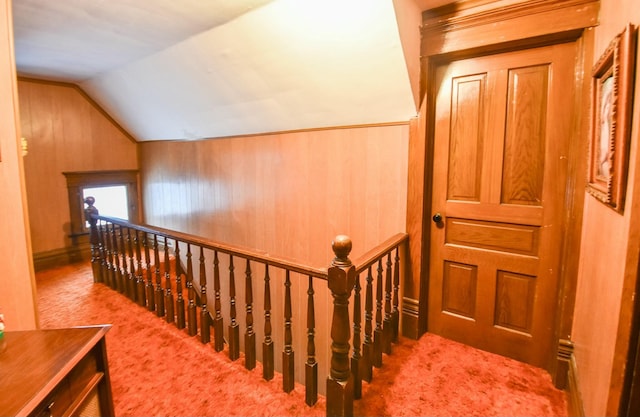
x=471, y=28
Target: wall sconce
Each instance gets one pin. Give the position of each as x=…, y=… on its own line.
x=23, y=144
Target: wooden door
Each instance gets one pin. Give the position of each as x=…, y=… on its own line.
x=502, y=125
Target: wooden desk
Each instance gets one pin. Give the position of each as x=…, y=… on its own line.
x=61, y=372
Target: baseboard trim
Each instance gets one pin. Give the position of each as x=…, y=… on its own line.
x=61, y=256
x=575, y=405
x=410, y=315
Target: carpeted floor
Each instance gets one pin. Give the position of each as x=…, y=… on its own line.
x=158, y=370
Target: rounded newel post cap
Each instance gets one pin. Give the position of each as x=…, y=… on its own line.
x=90, y=210
x=341, y=246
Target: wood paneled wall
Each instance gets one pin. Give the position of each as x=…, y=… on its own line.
x=17, y=282
x=609, y=260
x=65, y=131
x=287, y=194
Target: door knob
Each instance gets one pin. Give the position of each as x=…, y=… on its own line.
x=437, y=218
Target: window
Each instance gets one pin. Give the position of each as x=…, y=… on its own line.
x=115, y=192
x=113, y=200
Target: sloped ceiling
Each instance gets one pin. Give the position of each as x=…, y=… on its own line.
x=191, y=69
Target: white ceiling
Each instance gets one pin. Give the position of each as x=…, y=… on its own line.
x=190, y=69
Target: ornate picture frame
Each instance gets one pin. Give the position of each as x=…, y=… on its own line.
x=611, y=110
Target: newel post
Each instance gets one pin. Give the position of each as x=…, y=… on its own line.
x=341, y=276
x=94, y=238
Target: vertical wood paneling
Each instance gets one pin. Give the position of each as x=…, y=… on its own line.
x=65, y=132
x=608, y=264
x=17, y=279
x=305, y=187
x=286, y=194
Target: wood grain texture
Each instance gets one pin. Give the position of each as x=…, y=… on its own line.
x=288, y=195
x=65, y=132
x=525, y=132
x=608, y=266
x=467, y=137
x=37, y=363
x=17, y=280
x=524, y=152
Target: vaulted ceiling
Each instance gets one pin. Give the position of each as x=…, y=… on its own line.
x=191, y=69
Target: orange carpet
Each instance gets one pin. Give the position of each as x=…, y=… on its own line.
x=158, y=370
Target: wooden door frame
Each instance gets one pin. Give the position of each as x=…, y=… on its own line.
x=479, y=27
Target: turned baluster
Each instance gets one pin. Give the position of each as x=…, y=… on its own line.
x=104, y=260
x=151, y=303
x=159, y=292
x=218, y=322
x=249, y=335
x=192, y=326
x=355, y=357
x=367, y=347
x=311, y=366
x=180, y=319
x=124, y=274
x=341, y=277
x=376, y=360
x=168, y=294
x=387, y=331
x=131, y=288
x=234, y=329
x=94, y=238
x=288, y=364
x=205, y=336
x=395, y=315
x=139, y=277
x=267, y=344
x=118, y=275
x=111, y=280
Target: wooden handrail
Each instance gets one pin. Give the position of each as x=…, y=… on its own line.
x=245, y=253
x=372, y=256
x=344, y=382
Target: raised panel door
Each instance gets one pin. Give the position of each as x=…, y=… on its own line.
x=501, y=130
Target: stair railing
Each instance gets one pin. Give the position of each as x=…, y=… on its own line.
x=127, y=257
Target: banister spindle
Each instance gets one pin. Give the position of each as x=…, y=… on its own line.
x=395, y=314
x=104, y=261
x=151, y=301
x=367, y=347
x=249, y=335
x=140, y=290
x=288, y=364
x=205, y=336
x=159, y=293
x=377, y=333
x=341, y=277
x=94, y=237
x=234, y=329
x=131, y=287
x=180, y=318
x=119, y=276
x=124, y=274
x=110, y=260
x=168, y=294
x=192, y=325
x=267, y=344
x=387, y=331
x=218, y=324
x=355, y=357
x=311, y=366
